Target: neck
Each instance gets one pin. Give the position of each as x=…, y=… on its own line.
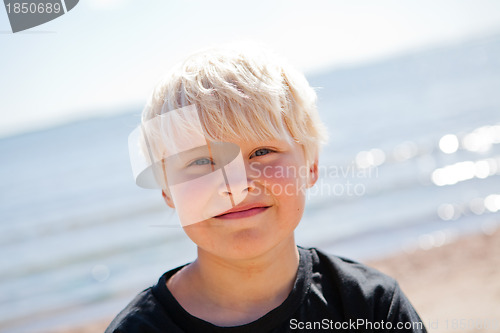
x=230, y=292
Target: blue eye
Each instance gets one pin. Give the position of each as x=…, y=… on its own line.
x=202, y=161
x=262, y=152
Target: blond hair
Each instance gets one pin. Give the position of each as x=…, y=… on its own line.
x=242, y=94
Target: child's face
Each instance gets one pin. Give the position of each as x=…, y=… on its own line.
x=276, y=179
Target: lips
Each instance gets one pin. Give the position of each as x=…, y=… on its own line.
x=244, y=211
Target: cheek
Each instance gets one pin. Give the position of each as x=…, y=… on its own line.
x=283, y=179
x=202, y=235
x=198, y=199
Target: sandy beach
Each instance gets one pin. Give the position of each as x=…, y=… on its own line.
x=455, y=287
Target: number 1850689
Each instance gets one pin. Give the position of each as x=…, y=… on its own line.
x=38, y=8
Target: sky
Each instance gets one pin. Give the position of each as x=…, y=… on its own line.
x=105, y=56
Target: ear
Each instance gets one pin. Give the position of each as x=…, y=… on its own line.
x=312, y=173
x=168, y=198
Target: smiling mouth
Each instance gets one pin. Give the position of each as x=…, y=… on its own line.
x=243, y=213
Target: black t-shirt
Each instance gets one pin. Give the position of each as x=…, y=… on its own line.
x=329, y=294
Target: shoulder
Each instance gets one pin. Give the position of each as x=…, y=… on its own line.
x=148, y=311
x=137, y=315
x=359, y=290
x=349, y=273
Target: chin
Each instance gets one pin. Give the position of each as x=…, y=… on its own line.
x=241, y=239
x=248, y=245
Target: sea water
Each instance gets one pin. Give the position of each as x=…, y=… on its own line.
x=78, y=239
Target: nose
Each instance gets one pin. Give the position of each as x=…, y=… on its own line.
x=236, y=183
x=236, y=188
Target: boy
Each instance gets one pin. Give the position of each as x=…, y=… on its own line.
x=232, y=139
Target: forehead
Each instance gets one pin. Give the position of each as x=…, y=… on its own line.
x=245, y=144
x=187, y=128
x=247, y=122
